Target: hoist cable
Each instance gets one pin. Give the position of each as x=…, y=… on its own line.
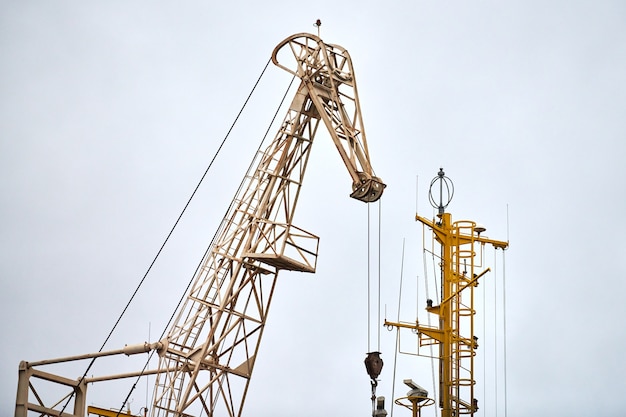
x=369, y=309
x=379, y=262
x=369, y=280
x=206, y=252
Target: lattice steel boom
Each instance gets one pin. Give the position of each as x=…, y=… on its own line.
x=209, y=353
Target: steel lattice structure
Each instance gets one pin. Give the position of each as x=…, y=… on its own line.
x=207, y=358
x=209, y=353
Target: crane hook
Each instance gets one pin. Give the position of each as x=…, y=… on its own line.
x=373, y=364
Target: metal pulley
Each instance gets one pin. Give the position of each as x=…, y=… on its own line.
x=368, y=189
x=373, y=365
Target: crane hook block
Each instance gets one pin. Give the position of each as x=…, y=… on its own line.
x=373, y=364
x=369, y=189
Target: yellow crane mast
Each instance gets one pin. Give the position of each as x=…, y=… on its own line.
x=458, y=244
x=207, y=358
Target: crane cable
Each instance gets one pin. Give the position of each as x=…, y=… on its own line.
x=180, y=301
x=379, y=283
x=369, y=283
x=373, y=363
x=132, y=297
x=369, y=296
x=185, y=292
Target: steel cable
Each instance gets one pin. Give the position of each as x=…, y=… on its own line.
x=180, y=301
x=132, y=297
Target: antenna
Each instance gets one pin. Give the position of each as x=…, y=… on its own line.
x=458, y=244
x=417, y=183
x=507, y=222
x=449, y=191
x=317, y=24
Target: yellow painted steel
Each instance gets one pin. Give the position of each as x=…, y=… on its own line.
x=455, y=335
x=102, y=412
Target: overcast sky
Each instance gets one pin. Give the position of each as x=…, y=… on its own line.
x=111, y=111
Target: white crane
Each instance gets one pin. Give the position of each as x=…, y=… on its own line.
x=207, y=358
x=209, y=353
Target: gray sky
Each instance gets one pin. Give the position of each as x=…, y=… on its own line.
x=111, y=111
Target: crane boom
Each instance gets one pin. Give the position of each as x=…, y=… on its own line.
x=327, y=72
x=209, y=353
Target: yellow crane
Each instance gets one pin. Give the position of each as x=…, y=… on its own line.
x=207, y=358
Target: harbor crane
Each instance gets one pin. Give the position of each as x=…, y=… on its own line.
x=207, y=358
